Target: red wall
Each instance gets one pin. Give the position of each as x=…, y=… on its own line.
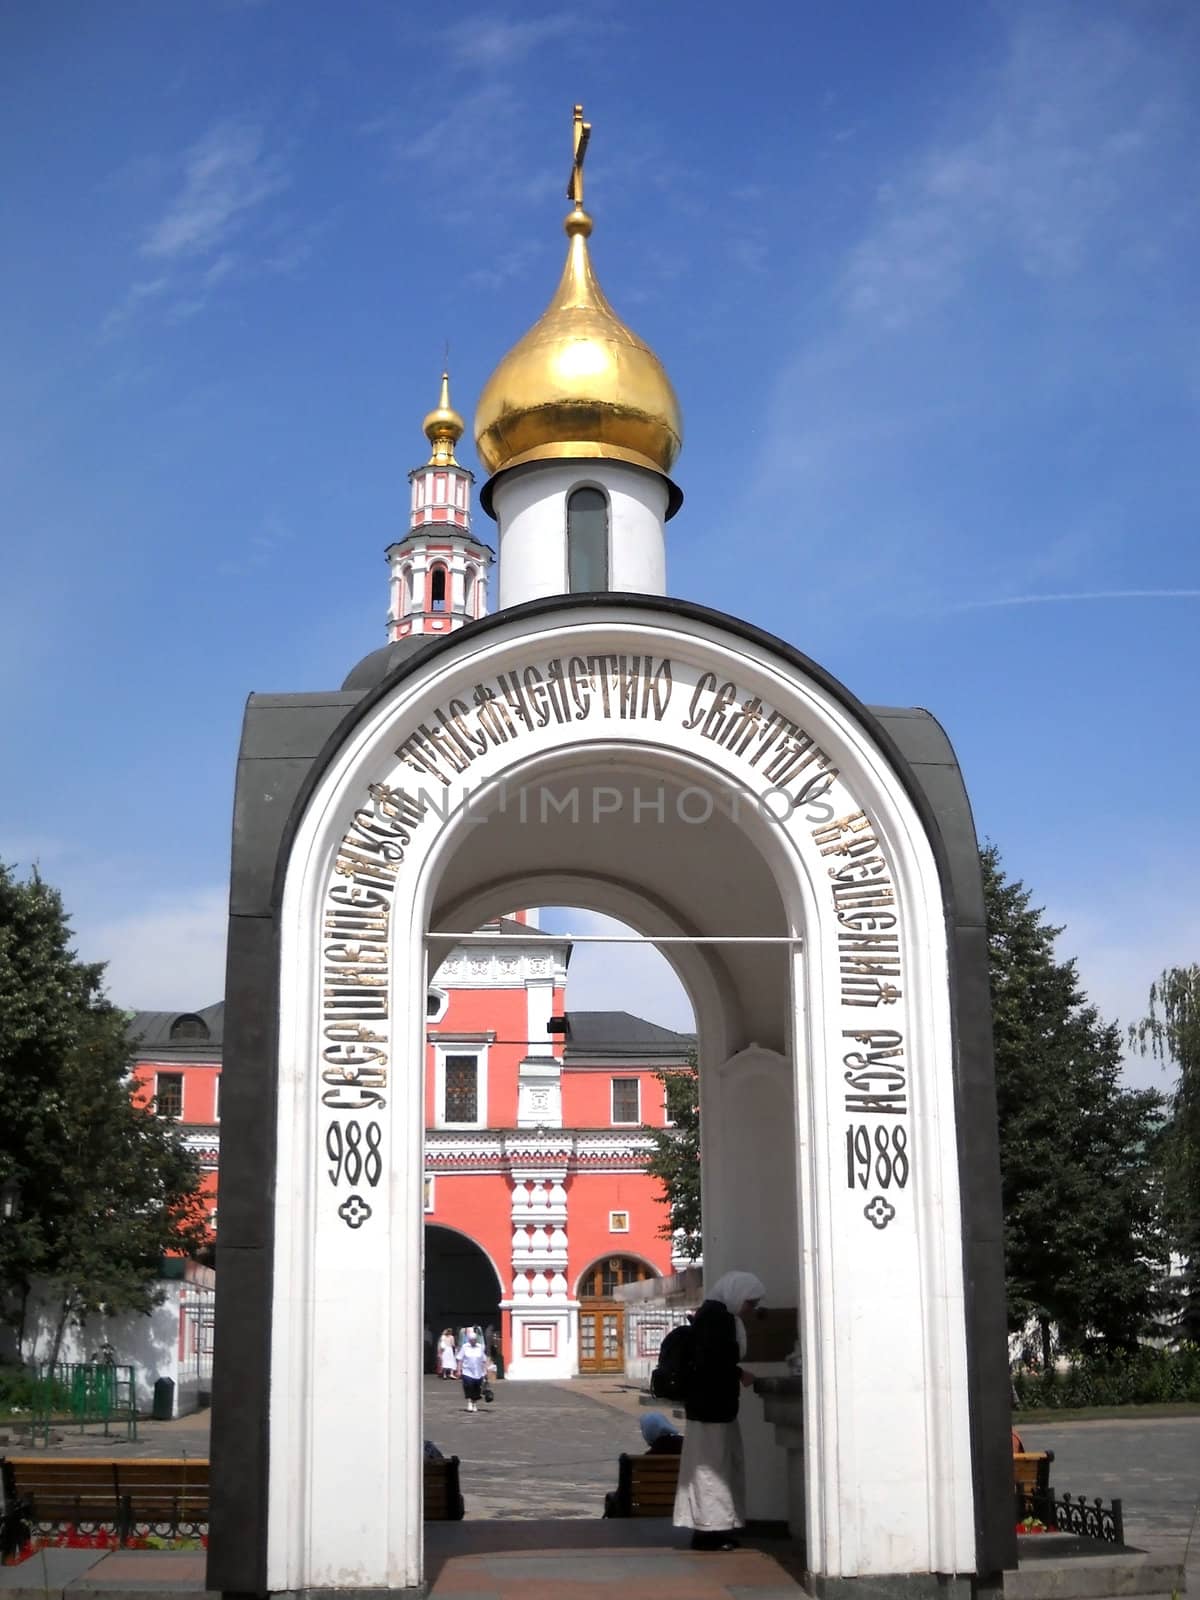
x=590, y=1198
x=479, y=1205
x=199, y=1086
x=200, y=1102
x=504, y=1013
x=587, y=1096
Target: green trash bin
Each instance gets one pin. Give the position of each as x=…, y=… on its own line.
x=164, y=1400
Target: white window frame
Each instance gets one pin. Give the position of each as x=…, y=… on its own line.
x=623, y=1077
x=618, y=1222
x=463, y=1047
x=429, y=1193
x=216, y=1114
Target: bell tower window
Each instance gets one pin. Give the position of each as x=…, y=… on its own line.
x=587, y=541
x=437, y=589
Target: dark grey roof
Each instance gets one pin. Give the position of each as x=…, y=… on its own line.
x=620, y=1033
x=373, y=669
x=151, y=1031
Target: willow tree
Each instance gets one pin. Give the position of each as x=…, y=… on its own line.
x=1170, y=1032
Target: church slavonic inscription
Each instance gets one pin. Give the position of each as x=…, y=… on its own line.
x=356, y=926
x=875, y=1074
x=615, y=688
x=780, y=762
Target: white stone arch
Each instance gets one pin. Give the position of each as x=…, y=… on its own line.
x=883, y=1326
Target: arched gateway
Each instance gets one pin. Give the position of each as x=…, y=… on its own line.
x=810, y=868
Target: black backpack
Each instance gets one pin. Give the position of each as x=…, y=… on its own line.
x=672, y=1377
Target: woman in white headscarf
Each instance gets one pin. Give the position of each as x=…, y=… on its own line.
x=711, y=1497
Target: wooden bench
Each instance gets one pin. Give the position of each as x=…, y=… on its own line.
x=150, y=1495
x=645, y=1487
x=443, y=1497
x=163, y=1496
x=1031, y=1484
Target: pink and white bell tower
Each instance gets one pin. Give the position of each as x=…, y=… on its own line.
x=439, y=571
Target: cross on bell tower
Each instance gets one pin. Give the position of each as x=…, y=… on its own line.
x=438, y=570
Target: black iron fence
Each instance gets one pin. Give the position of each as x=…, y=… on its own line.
x=1074, y=1514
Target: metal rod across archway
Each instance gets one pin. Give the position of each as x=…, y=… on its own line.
x=632, y=938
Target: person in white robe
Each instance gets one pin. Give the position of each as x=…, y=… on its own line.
x=711, y=1497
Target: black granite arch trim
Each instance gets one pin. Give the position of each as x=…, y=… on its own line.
x=288, y=743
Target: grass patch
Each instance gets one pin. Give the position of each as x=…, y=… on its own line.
x=1132, y=1413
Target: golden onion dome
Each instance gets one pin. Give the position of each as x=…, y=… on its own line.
x=443, y=427
x=580, y=383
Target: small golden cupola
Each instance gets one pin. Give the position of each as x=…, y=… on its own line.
x=580, y=385
x=443, y=427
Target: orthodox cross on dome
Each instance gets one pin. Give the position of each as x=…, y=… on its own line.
x=581, y=132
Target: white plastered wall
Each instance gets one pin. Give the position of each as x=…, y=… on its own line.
x=887, y=1443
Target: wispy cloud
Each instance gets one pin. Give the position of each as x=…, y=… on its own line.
x=1146, y=925
x=1039, y=172
x=503, y=267
x=136, y=297
x=984, y=308
x=492, y=40
x=477, y=148
x=165, y=955
x=261, y=548
x=1063, y=599
x=227, y=175
x=218, y=228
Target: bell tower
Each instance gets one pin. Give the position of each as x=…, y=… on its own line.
x=439, y=572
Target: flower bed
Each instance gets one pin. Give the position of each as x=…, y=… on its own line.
x=73, y=1539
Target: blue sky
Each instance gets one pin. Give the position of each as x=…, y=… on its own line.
x=926, y=279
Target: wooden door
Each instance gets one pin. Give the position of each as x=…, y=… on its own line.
x=601, y=1318
x=601, y=1338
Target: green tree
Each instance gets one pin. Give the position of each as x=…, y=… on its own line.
x=1083, y=1244
x=1170, y=1031
x=676, y=1159
x=106, y=1187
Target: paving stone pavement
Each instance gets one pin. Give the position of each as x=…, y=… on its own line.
x=542, y=1450
x=185, y=1436
x=1152, y=1465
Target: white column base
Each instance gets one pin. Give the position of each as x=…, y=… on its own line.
x=544, y=1339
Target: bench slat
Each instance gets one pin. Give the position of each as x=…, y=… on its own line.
x=645, y=1486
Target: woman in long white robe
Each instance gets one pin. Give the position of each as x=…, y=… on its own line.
x=711, y=1497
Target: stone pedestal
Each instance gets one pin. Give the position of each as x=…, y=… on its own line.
x=783, y=1407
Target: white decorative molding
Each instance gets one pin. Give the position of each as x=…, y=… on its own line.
x=508, y=964
x=539, y=1092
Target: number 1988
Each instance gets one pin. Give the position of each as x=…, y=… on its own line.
x=882, y=1159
